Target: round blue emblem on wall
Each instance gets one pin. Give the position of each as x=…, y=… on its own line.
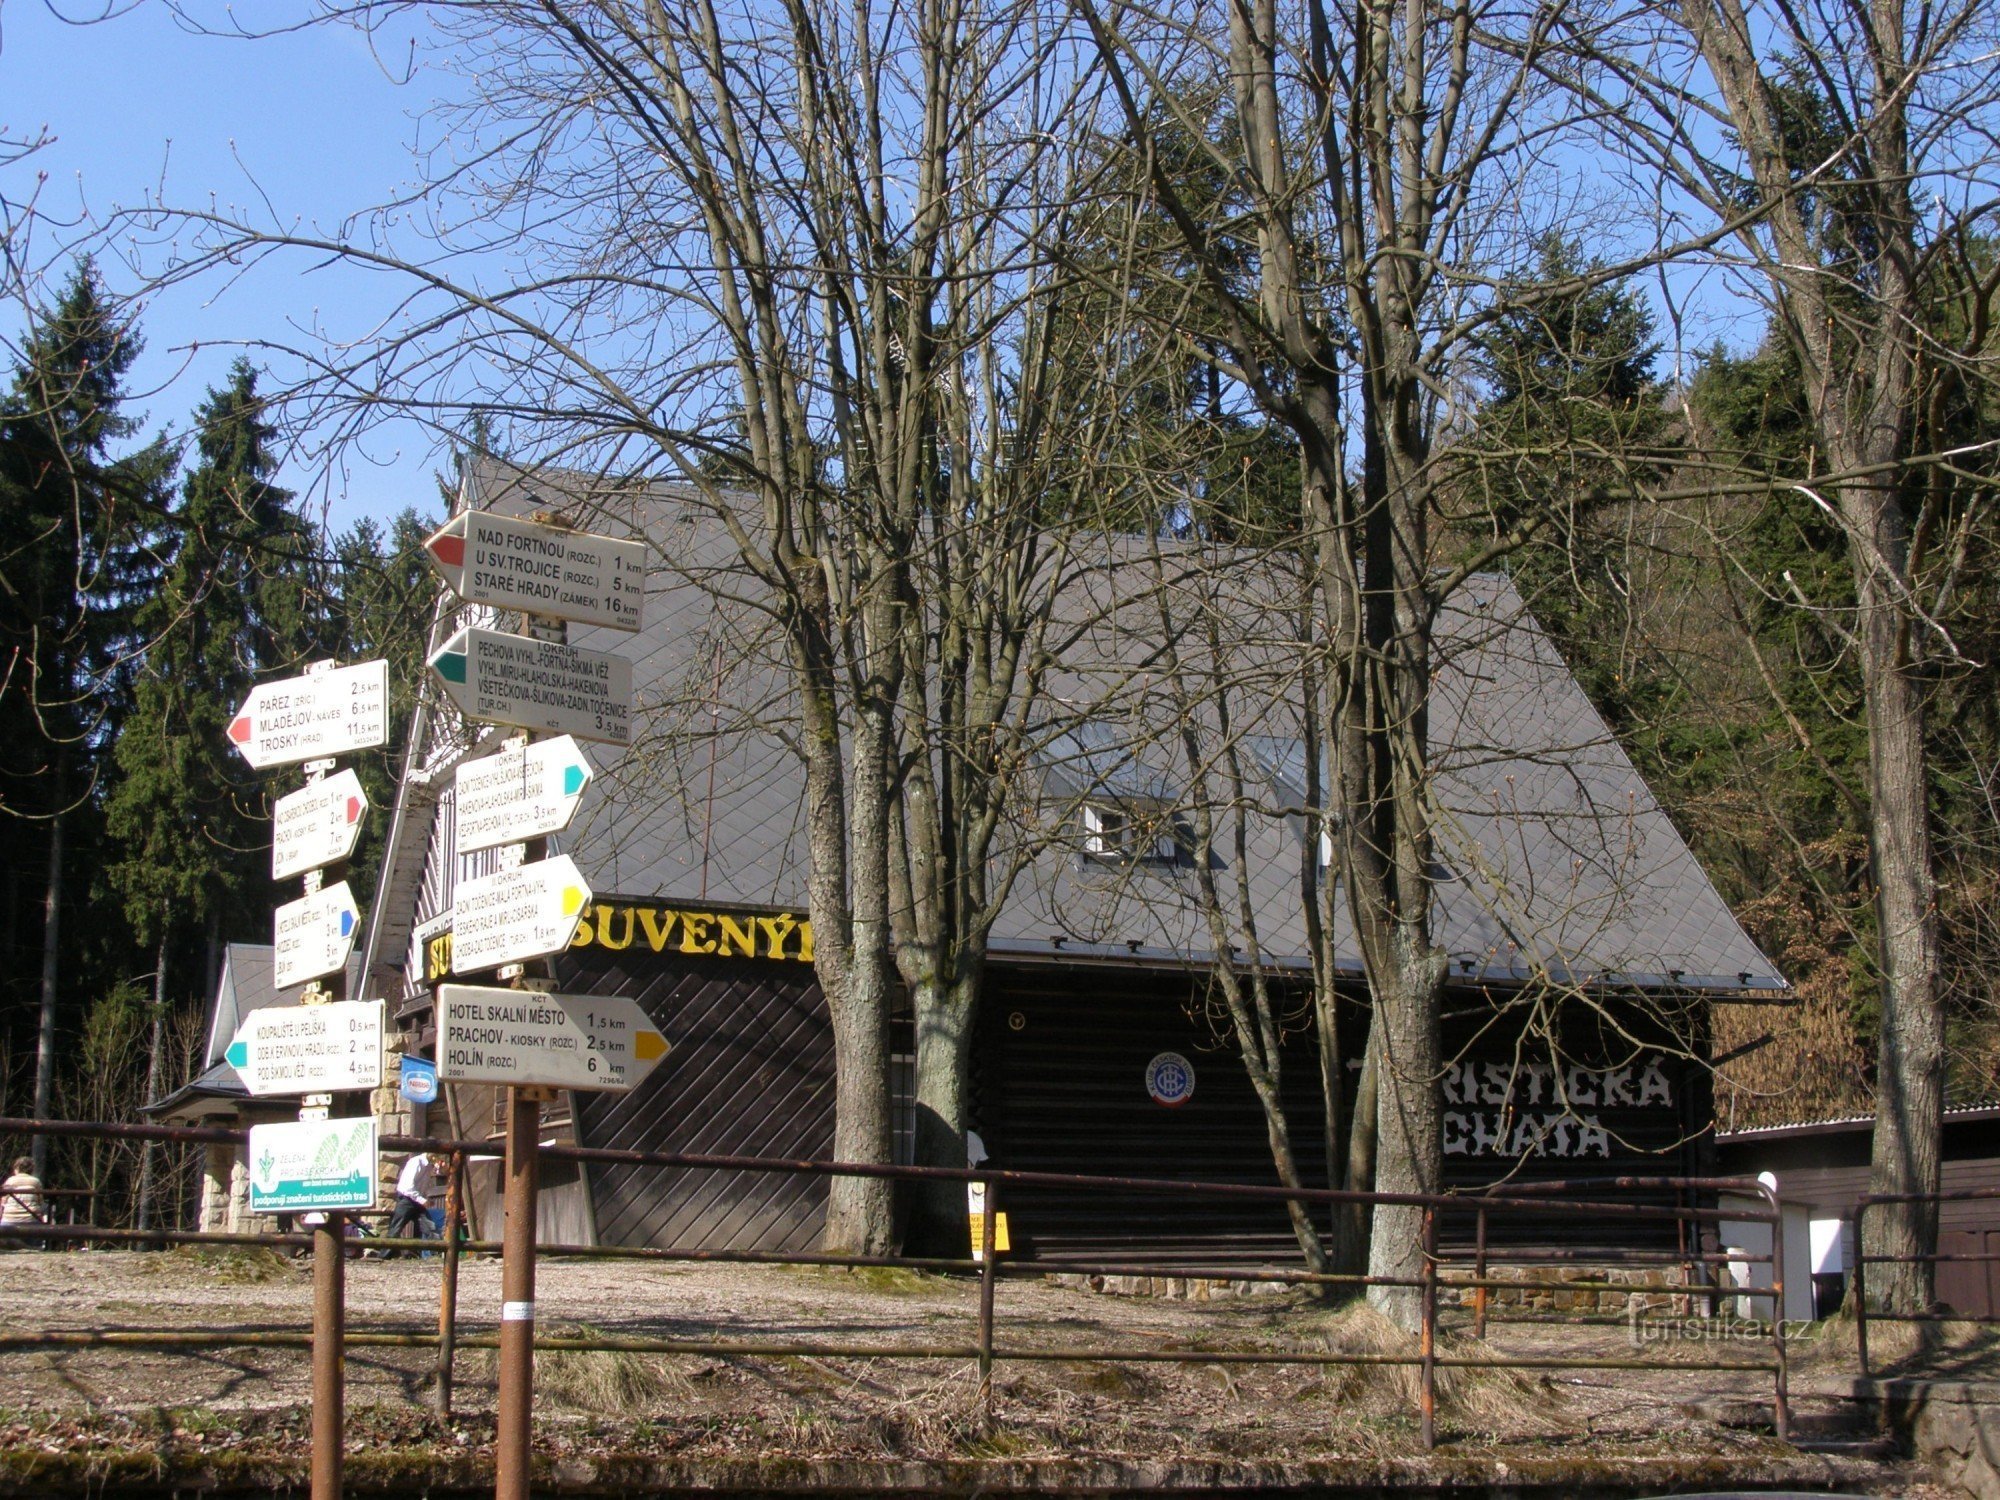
x=1170, y=1079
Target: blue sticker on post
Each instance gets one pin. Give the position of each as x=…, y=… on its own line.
x=420, y=1080
x=1170, y=1079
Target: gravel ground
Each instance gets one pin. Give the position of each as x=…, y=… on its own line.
x=831, y=1406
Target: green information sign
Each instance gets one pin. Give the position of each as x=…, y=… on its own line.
x=313, y=1164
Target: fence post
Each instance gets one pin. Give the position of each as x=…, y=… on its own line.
x=1861, y=1289
x=1782, y=1408
x=988, y=1218
x=454, y=1208
x=1479, y=1274
x=513, y=1446
x=1427, y=1334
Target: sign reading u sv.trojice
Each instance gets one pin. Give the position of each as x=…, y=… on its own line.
x=309, y=1049
x=543, y=685
x=312, y=1164
x=316, y=825
x=544, y=570
x=315, y=716
x=526, y=912
x=524, y=792
x=313, y=935
x=488, y=1035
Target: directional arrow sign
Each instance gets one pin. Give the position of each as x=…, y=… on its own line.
x=524, y=792
x=555, y=1041
x=309, y=1049
x=565, y=575
x=317, y=826
x=518, y=914
x=314, y=935
x=309, y=718
x=512, y=679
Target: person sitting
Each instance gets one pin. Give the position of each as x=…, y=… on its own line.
x=414, y=1187
x=21, y=1201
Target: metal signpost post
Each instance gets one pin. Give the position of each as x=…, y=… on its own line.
x=327, y=712
x=537, y=682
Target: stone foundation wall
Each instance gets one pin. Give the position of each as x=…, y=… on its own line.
x=1652, y=1289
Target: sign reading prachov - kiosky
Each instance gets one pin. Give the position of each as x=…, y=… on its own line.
x=544, y=570
x=527, y=912
x=544, y=685
x=488, y=1035
x=315, y=716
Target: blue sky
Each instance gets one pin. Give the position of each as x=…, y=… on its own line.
x=316, y=124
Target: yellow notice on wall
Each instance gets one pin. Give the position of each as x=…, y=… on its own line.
x=1000, y=1240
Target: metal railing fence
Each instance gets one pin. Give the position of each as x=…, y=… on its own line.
x=987, y=1346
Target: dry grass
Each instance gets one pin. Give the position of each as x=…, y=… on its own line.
x=1514, y=1402
x=605, y=1382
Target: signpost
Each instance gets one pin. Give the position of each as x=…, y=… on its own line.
x=603, y=1042
x=527, y=912
x=313, y=1166
x=317, y=825
x=523, y=1037
x=309, y=1049
x=527, y=791
x=314, y=935
x=543, y=570
x=311, y=717
x=542, y=685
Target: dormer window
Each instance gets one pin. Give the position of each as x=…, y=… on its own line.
x=1124, y=834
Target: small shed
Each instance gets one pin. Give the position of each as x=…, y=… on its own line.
x=1822, y=1166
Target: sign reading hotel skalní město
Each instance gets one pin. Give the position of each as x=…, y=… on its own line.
x=539, y=685
x=309, y=1049
x=524, y=792
x=488, y=1035
x=510, y=563
x=315, y=716
x=316, y=825
x=527, y=912
x=313, y=936
x=312, y=1165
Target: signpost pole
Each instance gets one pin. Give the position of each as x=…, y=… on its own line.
x=329, y=1357
x=329, y=1336
x=513, y=1446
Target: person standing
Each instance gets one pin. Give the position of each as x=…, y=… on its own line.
x=21, y=1201
x=414, y=1187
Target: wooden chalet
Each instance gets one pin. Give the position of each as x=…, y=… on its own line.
x=1586, y=943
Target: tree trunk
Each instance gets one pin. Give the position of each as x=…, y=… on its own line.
x=45, y=1039
x=149, y=1152
x=945, y=1018
x=1406, y=1113
x=1909, y=1109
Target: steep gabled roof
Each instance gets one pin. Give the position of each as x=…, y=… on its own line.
x=1555, y=859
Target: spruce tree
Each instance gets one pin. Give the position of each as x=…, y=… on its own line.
x=77, y=531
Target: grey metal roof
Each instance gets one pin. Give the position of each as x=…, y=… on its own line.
x=1556, y=859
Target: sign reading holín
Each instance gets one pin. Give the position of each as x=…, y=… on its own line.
x=543, y=685
x=488, y=1035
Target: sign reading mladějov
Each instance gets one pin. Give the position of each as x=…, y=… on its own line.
x=313, y=935
x=524, y=792
x=543, y=570
x=527, y=912
x=313, y=717
x=316, y=825
x=542, y=685
x=309, y=1049
x=303, y=1165
x=490, y=1035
